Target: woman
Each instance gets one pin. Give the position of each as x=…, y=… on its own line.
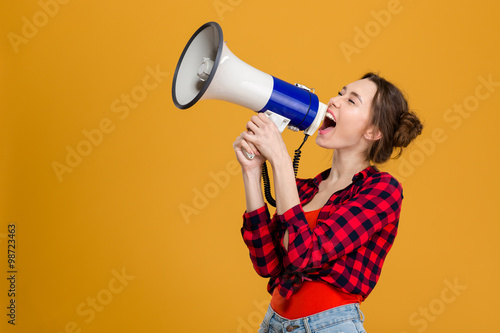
x=324, y=248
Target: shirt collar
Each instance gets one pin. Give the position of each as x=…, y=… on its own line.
x=365, y=173
x=368, y=171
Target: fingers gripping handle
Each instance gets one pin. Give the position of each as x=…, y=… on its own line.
x=280, y=121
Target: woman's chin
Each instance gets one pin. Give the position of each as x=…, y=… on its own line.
x=323, y=142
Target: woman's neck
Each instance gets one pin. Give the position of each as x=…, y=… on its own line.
x=345, y=166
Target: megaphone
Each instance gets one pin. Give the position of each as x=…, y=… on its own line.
x=207, y=69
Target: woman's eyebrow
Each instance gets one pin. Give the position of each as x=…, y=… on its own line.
x=354, y=93
x=357, y=96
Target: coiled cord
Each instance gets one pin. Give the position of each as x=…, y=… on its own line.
x=296, y=157
x=265, y=173
x=267, y=185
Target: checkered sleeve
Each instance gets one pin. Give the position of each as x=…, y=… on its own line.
x=376, y=206
x=259, y=233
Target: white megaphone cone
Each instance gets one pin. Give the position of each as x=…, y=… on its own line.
x=207, y=69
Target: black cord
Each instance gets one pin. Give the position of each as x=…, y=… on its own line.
x=267, y=185
x=265, y=173
x=296, y=157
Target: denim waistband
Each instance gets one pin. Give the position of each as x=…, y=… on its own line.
x=316, y=321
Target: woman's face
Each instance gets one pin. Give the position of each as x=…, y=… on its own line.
x=350, y=109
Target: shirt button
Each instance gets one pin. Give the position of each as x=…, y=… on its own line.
x=290, y=328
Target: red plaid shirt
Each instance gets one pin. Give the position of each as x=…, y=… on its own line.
x=355, y=230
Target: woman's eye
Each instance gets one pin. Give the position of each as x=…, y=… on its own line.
x=350, y=100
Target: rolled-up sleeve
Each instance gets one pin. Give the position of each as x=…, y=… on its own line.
x=259, y=233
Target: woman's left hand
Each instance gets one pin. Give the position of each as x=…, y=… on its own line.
x=266, y=137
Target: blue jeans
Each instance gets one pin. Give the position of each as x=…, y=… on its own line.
x=341, y=319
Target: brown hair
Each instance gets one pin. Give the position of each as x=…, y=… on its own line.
x=390, y=114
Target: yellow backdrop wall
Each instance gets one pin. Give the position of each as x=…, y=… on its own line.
x=125, y=211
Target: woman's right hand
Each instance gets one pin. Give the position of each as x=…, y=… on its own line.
x=254, y=164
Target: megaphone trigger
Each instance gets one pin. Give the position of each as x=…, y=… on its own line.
x=247, y=154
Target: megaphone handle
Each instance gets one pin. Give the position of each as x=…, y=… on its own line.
x=280, y=121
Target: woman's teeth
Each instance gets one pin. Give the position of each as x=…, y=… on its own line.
x=331, y=117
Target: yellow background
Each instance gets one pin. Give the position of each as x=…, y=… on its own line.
x=119, y=211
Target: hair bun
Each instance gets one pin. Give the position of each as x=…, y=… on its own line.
x=409, y=128
x=393, y=118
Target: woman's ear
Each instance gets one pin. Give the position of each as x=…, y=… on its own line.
x=372, y=134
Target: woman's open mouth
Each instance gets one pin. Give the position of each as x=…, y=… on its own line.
x=329, y=123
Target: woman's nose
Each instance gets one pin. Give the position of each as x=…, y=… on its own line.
x=335, y=101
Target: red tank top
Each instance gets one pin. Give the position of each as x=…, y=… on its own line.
x=313, y=296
